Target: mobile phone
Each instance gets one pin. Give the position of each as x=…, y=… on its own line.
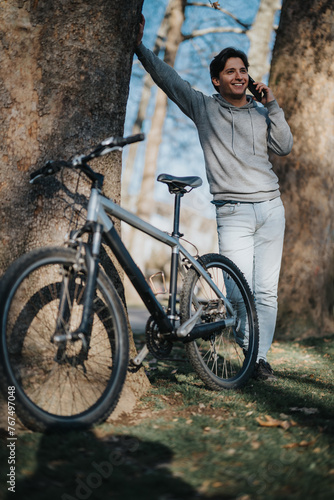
x=253, y=89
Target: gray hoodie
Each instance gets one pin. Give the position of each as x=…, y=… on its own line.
x=234, y=140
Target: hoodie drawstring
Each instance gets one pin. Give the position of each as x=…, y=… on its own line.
x=252, y=126
x=230, y=110
x=250, y=115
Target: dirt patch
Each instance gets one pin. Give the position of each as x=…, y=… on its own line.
x=171, y=411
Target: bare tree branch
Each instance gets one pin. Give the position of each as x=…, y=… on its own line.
x=207, y=31
x=224, y=11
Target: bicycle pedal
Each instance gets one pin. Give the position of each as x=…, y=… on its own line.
x=137, y=361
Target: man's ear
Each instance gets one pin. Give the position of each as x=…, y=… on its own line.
x=215, y=81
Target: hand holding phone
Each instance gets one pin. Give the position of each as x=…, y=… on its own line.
x=252, y=88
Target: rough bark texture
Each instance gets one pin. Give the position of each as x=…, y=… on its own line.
x=302, y=77
x=64, y=74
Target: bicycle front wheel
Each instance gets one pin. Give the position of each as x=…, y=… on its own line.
x=225, y=359
x=67, y=384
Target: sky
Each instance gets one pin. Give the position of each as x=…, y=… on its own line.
x=180, y=152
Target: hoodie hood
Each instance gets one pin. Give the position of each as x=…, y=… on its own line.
x=223, y=102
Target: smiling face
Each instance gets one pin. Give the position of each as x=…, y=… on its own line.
x=232, y=81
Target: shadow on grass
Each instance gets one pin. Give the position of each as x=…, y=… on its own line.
x=81, y=466
x=297, y=399
x=303, y=391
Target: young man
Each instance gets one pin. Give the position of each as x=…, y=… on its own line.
x=235, y=133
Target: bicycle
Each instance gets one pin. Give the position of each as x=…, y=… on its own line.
x=64, y=334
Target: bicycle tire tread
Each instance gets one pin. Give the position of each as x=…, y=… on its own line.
x=106, y=407
x=191, y=275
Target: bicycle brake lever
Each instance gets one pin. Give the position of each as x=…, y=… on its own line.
x=50, y=168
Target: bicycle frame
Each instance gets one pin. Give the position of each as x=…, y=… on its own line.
x=99, y=208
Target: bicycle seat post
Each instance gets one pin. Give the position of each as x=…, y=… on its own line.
x=176, y=221
x=175, y=258
x=177, y=186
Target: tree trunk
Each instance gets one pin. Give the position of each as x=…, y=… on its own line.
x=260, y=35
x=64, y=78
x=145, y=201
x=174, y=38
x=302, y=79
x=160, y=42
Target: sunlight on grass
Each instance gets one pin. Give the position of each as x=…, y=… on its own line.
x=271, y=440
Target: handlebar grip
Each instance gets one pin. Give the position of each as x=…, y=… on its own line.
x=134, y=138
x=123, y=141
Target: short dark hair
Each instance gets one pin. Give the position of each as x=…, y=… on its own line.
x=218, y=63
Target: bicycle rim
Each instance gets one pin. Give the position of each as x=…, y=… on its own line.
x=61, y=384
x=225, y=359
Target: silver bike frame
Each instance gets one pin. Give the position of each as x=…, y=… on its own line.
x=98, y=208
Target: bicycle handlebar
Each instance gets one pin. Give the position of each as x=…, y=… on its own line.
x=105, y=147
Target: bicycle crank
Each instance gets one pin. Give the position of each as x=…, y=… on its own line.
x=158, y=346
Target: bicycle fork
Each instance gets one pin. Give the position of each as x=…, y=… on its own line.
x=92, y=265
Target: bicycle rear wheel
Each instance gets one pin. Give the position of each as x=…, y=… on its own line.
x=60, y=384
x=226, y=359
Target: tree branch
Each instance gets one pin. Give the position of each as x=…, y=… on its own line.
x=224, y=11
x=207, y=31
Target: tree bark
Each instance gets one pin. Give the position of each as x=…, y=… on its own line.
x=64, y=76
x=302, y=79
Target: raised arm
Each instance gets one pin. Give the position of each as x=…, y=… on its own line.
x=177, y=89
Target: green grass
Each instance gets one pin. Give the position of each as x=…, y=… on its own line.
x=186, y=442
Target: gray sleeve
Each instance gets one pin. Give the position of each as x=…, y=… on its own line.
x=177, y=89
x=280, y=139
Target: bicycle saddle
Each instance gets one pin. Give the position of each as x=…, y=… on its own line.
x=176, y=184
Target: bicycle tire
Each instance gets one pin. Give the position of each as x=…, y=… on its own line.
x=60, y=386
x=227, y=358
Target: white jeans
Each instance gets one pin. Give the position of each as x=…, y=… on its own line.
x=251, y=235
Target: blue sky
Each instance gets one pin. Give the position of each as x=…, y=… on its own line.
x=180, y=152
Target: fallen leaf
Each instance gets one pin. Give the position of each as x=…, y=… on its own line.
x=273, y=422
x=255, y=445
x=56, y=463
x=302, y=444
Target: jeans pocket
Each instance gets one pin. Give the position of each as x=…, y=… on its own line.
x=226, y=210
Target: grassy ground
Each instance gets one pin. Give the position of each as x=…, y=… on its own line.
x=272, y=440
